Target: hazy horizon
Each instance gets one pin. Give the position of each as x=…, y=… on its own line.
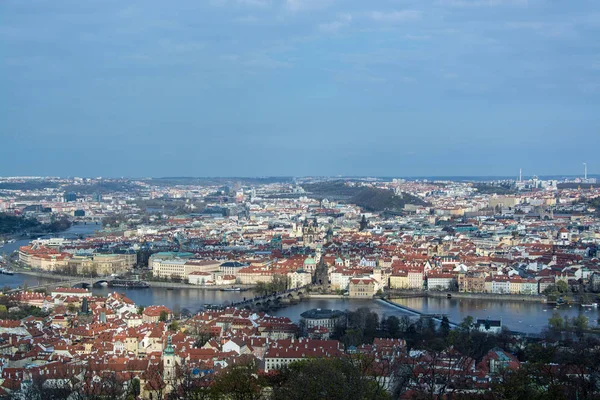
x=299, y=87
x=347, y=177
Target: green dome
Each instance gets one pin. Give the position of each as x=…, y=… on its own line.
x=309, y=261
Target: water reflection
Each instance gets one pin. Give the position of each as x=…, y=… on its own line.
x=520, y=316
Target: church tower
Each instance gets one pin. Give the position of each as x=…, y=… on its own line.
x=310, y=232
x=329, y=235
x=170, y=362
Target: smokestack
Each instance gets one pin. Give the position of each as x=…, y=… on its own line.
x=585, y=171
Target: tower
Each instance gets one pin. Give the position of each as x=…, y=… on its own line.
x=310, y=232
x=520, y=174
x=329, y=235
x=585, y=172
x=170, y=362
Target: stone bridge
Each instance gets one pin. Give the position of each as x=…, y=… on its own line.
x=270, y=299
x=81, y=282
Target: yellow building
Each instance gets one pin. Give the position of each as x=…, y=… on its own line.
x=100, y=264
x=399, y=280
x=362, y=287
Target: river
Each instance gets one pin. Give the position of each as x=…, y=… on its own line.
x=521, y=316
x=74, y=232
x=528, y=317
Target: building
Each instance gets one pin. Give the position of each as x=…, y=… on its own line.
x=544, y=283
x=499, y=284
x=71, y=292
x=399, y=280
x=44, y=258
x=70, y=197
x=595, y=282
x=201, y=278
x=100, y=264
x=440, y=281
x=362, y=287
x=299, y=278
x=180, y=269
x=415, y=279
x=286, y=351
x=153, y=313
x=491, y=326
x=340, y=278
x=231, y=267
x=318, y=317
x=310, y=233
x=471, y=283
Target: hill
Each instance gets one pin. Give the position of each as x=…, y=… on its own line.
x=12, y=224
x=369, y=198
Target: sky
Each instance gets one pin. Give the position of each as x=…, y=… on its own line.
x=144, y=88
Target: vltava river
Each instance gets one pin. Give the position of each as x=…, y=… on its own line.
x=518, y=316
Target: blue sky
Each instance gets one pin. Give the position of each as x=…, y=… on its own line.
x=299, y=87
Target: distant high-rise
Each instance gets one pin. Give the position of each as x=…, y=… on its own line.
x=70, y=196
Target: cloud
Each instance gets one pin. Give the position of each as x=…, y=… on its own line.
x=395, y=16
x=417, y=37
x=307, y=5
x=255, y=3
x=246, y=19
x=482, y=3
x=334, y=26
x=256, y=61
x=181, y=47
x=558, y=30
x=265, y=62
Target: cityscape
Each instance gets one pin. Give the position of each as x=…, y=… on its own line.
x=299, y=200
x=178, y=287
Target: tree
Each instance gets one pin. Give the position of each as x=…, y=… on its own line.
x=556, y=322
x=562, y=286
x=363, y=325
x=335, y=378
x=188, y=386
x=550, y=289
x=580, y=323
x=261, y=288
x=163, y=316
x=392, y=324
x=279, y=283
x=174, y=326
x=140, y=310
x=467, y=324
x=239, y=382
x=445, y=327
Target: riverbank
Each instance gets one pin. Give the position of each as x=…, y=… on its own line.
x=489, y=296
x=45, y=275
x=324, y=296
x=157, y=284
x=179, y=285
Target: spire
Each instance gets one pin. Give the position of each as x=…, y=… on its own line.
x=169, y=350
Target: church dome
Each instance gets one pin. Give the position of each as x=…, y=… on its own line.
x=309, y=261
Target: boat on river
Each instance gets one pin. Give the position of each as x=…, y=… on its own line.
x=232, y=289
x=128, y=283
